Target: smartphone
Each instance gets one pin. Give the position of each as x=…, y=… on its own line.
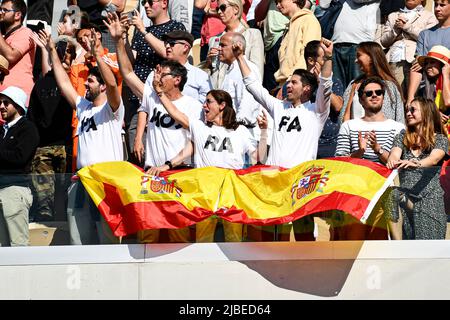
x=36, y=28
x=129, y=14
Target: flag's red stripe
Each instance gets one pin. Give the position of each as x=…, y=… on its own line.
x=129, y=219
x=352, y=204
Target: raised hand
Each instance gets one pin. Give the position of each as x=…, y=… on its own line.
x=157, y=80
x=60, y=28
x=41, y=43
x=93, y=43
x=238, y=49
x=327, y=47
x=137, y=22
x=114, y=26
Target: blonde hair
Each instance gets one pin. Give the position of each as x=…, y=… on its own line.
x=238, y=4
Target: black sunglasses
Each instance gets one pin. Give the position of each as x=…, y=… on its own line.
x=410, y=109
x=172, y=42
x=222, y=7
x=150, y=2
x=370, y=93
x=5, y=102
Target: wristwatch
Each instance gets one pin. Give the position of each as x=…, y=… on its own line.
x=380, y=152
x=169, y=164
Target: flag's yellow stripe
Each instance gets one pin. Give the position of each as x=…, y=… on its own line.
x=267, y=194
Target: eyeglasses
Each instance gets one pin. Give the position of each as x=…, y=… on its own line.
x=172, y=43
x=150, y=2
x=5, y=102
x=370, y=93
x=2, y=10
x=167, y=74
x=410, y=109
x=222, y=7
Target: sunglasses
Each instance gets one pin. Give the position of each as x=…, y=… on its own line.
x=410, y=109
x=150, y=2
x=370, y=93
x=172, y=43
x=222, y=7
x=5, y=102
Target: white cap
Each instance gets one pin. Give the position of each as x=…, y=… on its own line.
x=17, y=95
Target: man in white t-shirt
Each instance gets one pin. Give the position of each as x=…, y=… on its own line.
x=370, y=137
x=298, y=122
x=175, y=46
x=100, y=117
x=165, y=137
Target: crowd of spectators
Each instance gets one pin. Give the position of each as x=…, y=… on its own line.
x=279, y=82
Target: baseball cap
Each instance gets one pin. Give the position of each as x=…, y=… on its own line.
x=179, y=35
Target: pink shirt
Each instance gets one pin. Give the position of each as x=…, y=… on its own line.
x=21, y=74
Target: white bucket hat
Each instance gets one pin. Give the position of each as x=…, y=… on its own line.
x=17, y=95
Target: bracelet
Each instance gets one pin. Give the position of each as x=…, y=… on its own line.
x=169, y=164
x=326, y=58
x=144, y=33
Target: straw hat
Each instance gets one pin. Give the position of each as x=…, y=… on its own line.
x=4, y=65
x=439, y=53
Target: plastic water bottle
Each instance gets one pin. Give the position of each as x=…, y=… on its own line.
x=215, y=59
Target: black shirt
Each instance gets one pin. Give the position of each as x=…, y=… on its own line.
x=146, y=58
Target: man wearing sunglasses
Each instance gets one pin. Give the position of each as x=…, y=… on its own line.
x=19, y=139
x=370, y=137
x=16, y=45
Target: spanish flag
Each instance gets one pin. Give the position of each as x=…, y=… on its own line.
x=131, y=201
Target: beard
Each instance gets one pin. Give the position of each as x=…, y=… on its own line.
x=4, y=25
x=91, y=95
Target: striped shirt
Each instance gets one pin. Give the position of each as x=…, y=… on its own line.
x=348, y=136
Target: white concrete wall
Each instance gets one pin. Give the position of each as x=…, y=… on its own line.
x=321, y=270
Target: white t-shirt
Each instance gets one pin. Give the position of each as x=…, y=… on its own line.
x=348, y=136
x=296, y=131
x=356, y=23
x=99, y=133
x=220, y=147
x=165, y=137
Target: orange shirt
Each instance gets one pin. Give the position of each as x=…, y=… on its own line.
x=78, y=73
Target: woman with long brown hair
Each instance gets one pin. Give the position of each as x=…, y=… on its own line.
x=372, y=62
x=418, y=153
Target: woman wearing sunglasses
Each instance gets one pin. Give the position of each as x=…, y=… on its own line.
x=372, y=62
x=418, y=153
x=218, y=141
x=230, y=13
